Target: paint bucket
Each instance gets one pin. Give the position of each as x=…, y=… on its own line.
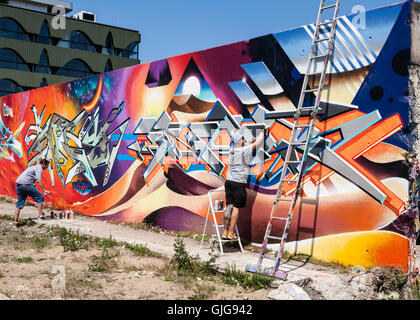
x=61, y=214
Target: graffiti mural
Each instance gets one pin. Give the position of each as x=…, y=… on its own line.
x=147, y=143
x=89, y=149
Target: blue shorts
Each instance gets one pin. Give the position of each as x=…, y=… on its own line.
x=23, y=191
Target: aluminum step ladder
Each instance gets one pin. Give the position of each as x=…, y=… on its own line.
x=211, y=214
x=301, y=137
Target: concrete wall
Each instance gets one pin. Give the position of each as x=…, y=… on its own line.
x=415, y=72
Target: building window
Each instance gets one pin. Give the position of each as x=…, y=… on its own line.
x=43, y=66
x=76, y=69
x=44, y=34
x=132, y=51
x=108, y=66
x=10, y=29
x=76, y=40
x=9, y=87
x=11, y=60
x=109, y=45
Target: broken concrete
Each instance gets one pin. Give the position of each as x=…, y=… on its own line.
x=288, y=291
x=3, y=297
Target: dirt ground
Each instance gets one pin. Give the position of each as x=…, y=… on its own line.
x=34, y=264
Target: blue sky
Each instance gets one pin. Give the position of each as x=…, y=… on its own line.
x=170, y=28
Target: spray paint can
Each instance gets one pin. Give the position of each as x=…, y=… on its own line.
x=218, y=205
x=71, y=214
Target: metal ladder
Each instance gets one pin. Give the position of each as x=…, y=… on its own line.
x=302, y=145
x=211, y=214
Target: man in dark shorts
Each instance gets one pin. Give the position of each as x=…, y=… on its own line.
x=240, y=157
x=26, y=187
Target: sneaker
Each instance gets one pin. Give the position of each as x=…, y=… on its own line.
x=225, y=235
x=14, y=225
x=232, y=236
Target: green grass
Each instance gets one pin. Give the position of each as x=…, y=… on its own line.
x=187, y=265
x=40, y=243
x=24, y=260
x=232, y=276
x=106, y=242
x=69, y=240
x=106, y=262
x=140, y=250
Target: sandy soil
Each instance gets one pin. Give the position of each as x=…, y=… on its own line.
x=31, y=259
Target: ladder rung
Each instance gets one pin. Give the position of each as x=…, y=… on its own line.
x=290, y=181
x=314, y=73
x=319, y=56
x=325, y=23
x=310, y=108
x=270, y=258
x=329, y=7
x=294, y=162
x=302, y=126
x=281, y=219
x=298, y=144
x=310, y=201
x=311, y=90
x=307, y=109
x=274, y=238
x=321, y=40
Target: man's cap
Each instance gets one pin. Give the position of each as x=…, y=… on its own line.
x=237, y=137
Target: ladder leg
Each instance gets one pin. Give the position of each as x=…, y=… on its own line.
x=215, y=224
x=205, y=228
x=239, y=239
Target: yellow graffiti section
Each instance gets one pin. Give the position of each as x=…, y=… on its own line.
x=367, y=249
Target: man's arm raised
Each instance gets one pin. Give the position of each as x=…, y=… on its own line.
x=260, y=138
